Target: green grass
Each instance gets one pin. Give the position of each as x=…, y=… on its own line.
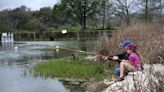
x=66, y=68
x=69, y=28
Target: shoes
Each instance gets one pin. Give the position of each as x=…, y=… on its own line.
x=120, y=79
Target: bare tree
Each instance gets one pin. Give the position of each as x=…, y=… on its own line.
x=106, y=8
x=150, y=8
x=104, y=12
x=161, y=11
x=125, y=8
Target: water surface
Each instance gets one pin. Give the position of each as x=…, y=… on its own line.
x=15, y=62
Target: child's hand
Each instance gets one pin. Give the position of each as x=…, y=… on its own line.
x=123, y=60
x=115, y=57
x=105, y=57
x=126, y=61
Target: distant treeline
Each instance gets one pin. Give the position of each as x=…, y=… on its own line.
x=75, y=15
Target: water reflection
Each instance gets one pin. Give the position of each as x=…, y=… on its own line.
x=12, y=81
x=6, y=45
x=75, y=88
x=14, y=63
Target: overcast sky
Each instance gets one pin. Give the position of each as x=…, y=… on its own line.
x=33, y=4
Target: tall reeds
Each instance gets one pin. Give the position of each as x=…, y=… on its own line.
x=149, y=39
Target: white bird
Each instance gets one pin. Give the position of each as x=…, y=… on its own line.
x=57, y=46
x=16, y=48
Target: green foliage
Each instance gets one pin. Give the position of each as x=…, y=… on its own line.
x=4, y=27
x=34, y=24
x=77, y=14
x=78, y=10
x=45, y=15
x=19, y=17
x=65, y=68
x=110, y=27
x=69, y=28
x=158, y=74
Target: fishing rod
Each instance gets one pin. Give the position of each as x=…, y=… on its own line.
x=81, y=51
x=73, y=49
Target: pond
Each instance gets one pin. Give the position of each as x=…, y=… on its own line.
x=16, y=59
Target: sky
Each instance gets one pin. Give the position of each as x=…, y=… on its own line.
x=32, y=4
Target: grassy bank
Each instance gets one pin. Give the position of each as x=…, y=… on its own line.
x=66, y=68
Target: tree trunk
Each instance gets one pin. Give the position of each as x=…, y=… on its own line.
x=146, y=11
x=104, y=6
x=84, y=16
x=127, y=17
x=160, y=16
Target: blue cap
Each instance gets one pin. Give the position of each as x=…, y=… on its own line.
x=125, y=43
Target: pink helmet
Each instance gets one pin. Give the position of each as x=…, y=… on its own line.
x=131, y=46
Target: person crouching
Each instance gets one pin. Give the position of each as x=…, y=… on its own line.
x=132, y=64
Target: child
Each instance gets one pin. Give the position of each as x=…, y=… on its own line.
x=122, y=55
x=132, y=64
